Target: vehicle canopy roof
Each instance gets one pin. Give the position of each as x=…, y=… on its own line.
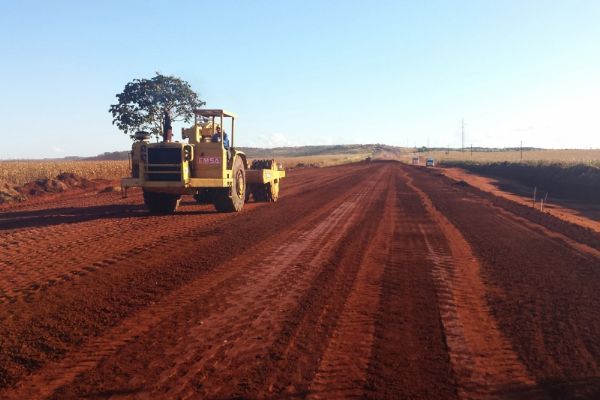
x=214, y=113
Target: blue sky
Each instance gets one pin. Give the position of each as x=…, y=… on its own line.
x=304, y=72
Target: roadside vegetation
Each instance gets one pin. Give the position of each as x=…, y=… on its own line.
x=22, y=172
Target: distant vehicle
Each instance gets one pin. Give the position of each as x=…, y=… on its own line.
x=430, y=162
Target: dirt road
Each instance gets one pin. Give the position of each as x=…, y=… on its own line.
x=369, y=280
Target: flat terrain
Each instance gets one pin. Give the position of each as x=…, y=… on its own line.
x=371, y=280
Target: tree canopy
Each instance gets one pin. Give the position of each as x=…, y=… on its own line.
x=145, y=104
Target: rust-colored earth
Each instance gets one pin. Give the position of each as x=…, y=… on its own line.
x=374, y=280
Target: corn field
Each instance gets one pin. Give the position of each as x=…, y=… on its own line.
x=20, y=172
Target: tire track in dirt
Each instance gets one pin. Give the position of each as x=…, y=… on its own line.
x=479, y=353
x=296, y=353
x=206, y=368
x=37, y=258
x=63, y=256
x=409, y=356
x=283, y=275
x=304, y=178
x=64, y=316
x=123, y=334
x=342, y=371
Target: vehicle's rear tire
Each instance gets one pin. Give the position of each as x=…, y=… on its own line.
x=232, y=200
x=268, y=192
x=161, y=203
x=273, y=191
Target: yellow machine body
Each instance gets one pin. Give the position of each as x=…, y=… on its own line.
x=200, y=165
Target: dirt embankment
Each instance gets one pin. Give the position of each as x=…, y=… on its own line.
x=61, y=183
x=585, y=214
x=576, y=182
x=10, y=193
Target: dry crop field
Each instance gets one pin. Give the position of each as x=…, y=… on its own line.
x=21, y=172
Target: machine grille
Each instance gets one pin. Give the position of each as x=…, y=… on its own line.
x=160, y=164
x=171, y=177
x=164, y=156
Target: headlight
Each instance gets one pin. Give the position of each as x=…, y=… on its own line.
x=188, y=153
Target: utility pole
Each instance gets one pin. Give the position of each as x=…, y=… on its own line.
x=462, y=147
x=521, y=150
x=471, y=150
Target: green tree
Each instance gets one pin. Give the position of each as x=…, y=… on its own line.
x=150, y=104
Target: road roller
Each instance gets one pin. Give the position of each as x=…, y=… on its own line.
x=205, y=164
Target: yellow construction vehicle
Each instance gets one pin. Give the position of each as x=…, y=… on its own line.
x=204, y=165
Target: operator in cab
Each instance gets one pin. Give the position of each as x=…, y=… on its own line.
x=217, y=138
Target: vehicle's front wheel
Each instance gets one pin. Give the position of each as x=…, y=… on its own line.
x=161, y=203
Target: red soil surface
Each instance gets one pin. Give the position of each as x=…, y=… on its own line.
x=369, y=280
